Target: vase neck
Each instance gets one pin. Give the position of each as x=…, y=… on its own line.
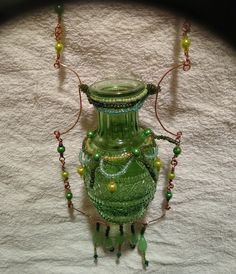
x=116, y=130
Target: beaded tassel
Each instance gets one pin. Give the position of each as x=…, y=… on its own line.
x=58, y=34
x=108, y=244
x=96, y=241
x=171, y=175
x=142, y=246
x=65, y=174
x=133, y=237
x=119, y=240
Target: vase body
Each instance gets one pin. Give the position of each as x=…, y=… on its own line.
x=118, y=156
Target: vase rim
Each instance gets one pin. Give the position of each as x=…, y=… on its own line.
x=117, y=90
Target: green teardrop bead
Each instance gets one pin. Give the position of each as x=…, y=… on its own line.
x=120, y=239
x=142, y=244
x=97, y=238
x=108, y=244
x=133, y=239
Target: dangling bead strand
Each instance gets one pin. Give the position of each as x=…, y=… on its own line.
x=96, y=241
x=142, y=246
x=171, y=174
x=58, y=34
x=133, y=237
x=119, y=240
x=108, y=244
x=185, y=43
x=64, y=173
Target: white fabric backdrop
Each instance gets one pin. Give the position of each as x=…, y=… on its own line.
x=37, y=234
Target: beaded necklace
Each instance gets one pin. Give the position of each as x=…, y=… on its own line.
x=120, y=179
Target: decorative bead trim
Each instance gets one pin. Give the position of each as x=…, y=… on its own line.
x=113, y=175
x=123, y=156
x=124, y=108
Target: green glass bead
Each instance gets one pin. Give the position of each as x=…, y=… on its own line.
x=90, y=134
x=108, y=244
x=69, y=195
x=59, y=47
x=120, y=239
x=171, y=175
x=142, y=244
x=97, y=238
x=61, y=149
x=133, y=239
x=59, y=9
x=168, y=195
x=147, y=132
x=177, y=150
x=185, y=43
x=136, y=152
x=96, y=156
x=65, y=174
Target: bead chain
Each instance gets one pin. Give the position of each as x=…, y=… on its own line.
x=65, y=175
x=185, y=43
x=58, y=34
x=171, y=174
x=119, y=173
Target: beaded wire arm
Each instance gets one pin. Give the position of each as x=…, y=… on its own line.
x=134, y=239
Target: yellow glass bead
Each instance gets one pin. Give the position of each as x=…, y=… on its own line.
x=112, y=187
x=65, y=174
x=59, y=47
x=185, y=43
x=80, y=170
x=158, y=163
x=171, y=175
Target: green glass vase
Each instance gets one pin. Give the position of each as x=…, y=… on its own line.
x=118, y=156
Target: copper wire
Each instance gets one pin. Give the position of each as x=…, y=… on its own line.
x=96, y=220
x=80, y=97
x=186, y=65
x=90, y=217
x=156, y=113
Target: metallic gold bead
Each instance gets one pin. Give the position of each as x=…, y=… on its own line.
x=185, y=43
x=59, y=47
x=158, y=163
x=171, y=175
x=65, y=174
x=112, y=187
x=80, y=170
